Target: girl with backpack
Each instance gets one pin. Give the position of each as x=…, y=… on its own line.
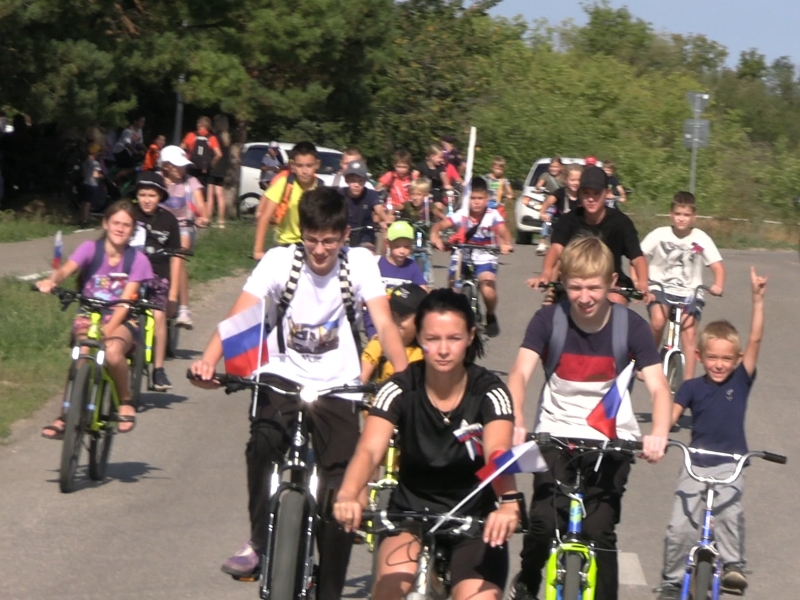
x=109, y=269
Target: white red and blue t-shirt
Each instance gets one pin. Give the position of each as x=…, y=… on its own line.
x=585, y=372
x=485, y=234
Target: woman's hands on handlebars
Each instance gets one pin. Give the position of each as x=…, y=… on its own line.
x=501, y=524
x=347, y=510
x=203, y=375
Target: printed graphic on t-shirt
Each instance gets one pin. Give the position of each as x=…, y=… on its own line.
x=313, y=339
x=106, y=287
x=681, y=260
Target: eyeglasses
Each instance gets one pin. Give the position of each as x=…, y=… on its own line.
x=328, y=243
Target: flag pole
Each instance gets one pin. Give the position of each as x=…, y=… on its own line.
x=254, y=403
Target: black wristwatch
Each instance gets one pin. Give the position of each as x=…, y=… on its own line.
x=511, y=497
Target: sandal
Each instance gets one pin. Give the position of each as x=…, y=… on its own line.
x=126, y=418
x=56, y=428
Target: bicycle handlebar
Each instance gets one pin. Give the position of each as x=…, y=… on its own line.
x=686, y=301
x=67, y=297
x=629, y=293
x=740, y=460
x=545, y=440
x=234, y=383
x=183, y=253
x=490, y=249
x=384, y=520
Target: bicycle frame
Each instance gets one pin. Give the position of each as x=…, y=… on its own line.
x=387, y=482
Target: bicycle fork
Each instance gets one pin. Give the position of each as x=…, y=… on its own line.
x=705, y=549
x=556, y=564
x=673, y=342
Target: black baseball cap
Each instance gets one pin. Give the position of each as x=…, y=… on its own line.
x=152, y=179
x=594, y=178
x=406, y=298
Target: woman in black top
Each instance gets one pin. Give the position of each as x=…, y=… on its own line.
x=427, y=403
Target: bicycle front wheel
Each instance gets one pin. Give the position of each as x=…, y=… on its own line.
x=285, y=556
x=75, y=426
x=675, y=371
x=702, y=580
x=572, y=577
x=100, y=444
x=381, y=503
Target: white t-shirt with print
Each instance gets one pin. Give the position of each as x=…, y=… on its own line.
x=485, y=235
x=320, y=348
x=677, y=262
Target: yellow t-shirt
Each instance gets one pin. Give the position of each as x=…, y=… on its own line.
x=373, y=353
x=289, y=229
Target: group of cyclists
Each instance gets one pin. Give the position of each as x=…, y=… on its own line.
x=318, y=277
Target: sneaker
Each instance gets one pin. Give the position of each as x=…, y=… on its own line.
x=518, y=590
x=669, y=591
x=541, y=249
x=492, y=327
x=161, y=382
x=243, y=563
x=733, y=580
x=184, y=318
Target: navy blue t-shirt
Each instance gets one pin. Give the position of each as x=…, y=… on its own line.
x=394, y=276
x=359, y=215
x=718, y=412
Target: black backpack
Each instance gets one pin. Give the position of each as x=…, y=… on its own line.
x=202, y=154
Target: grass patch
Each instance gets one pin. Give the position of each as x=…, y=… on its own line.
x=223, y=252
x=18, y=227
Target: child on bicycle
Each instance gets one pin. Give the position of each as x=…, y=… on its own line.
x=499, y=187
x=483, y=226
x=102, y=275
x=403, y=302
x=396, y=182
x=560, y=202
x=592, y=356
x=676, y=256
x=419, y=208
x=317, y=346
x=718, y=401
x=158, y=230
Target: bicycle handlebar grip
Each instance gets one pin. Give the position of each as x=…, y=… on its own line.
x=776, y=458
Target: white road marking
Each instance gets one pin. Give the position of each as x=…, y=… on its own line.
x=95, y=228
x=34, y=276
x=630, y=569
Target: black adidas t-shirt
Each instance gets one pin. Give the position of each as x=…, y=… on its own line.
x=161, y=232
x=616, y=230
x=436, y=469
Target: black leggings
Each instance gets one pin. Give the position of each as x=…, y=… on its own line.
x=602, y=498
x=335, y=434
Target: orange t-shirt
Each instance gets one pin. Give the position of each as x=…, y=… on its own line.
x=397, y=187
x=151, y=158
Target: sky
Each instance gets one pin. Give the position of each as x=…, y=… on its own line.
x=771, y=26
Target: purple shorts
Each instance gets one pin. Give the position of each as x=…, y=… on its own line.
x=157, y=291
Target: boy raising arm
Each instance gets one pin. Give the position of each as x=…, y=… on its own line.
x=718, y=401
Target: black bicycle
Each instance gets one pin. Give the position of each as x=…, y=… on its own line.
x=287, y=561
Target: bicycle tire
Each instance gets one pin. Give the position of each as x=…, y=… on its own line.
x=701, y=586
x=100, y=444
x=572, y=577
x=674, y=371
x=74, y=428
x=382, y=504
x=137, y=368
x=285, y=559
x=173, y=336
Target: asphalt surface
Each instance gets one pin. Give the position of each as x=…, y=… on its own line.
x=174, y=505
x=36, y=256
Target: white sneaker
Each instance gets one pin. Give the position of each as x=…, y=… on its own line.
x=184, y=319
x=541, y=249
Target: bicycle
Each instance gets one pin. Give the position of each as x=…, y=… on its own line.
x=432, y=577
x=287, y=561
x=91, y=401
x=673, y=359
x=571, y=570
x=380, y=491
x=557, y=293
x=421, y=252
x=703, y=565
x=464, y=280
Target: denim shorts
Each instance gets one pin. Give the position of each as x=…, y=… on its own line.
x=694, y=309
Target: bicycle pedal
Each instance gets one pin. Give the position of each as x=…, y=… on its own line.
x=247, y=578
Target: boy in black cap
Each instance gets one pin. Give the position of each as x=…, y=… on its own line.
x=157, y=229
x=364, y=206
x=595, y=218
x=404, y=301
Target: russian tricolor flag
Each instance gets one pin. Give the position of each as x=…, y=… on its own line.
x=244, y=341
x=58, y=250
x=603, y=417
x=525, y=458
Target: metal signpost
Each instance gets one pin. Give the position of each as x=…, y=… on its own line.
x=696, y=131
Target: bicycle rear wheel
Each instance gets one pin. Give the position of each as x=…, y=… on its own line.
x=100, y=444
x=285, y=558
x=137, y=368
x=701, y=586
x=675, y=371
x=572, y=577
x=74, y=427
x=173, y=336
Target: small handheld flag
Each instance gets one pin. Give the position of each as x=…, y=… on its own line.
x=58, y=250
x=525, y=458
x=603, y=417
x=244, y=343
x=471, y=435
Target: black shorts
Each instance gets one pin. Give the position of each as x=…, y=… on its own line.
x=124, y=159
x=472, y=558
x=216, y=180
x=94, y=196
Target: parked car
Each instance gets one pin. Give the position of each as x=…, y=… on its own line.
x=250, y=174
x=530, y=201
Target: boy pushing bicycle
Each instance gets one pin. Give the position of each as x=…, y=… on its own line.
x=718, y=401
x=675, y=256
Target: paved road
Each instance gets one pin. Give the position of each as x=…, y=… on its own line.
x=174, y=506
x=36, y=256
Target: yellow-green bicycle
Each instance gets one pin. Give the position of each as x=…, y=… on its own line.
x=91, y=400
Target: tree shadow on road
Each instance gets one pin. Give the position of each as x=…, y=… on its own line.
x=358, y=587
x=124, y=472
x=152, y=400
